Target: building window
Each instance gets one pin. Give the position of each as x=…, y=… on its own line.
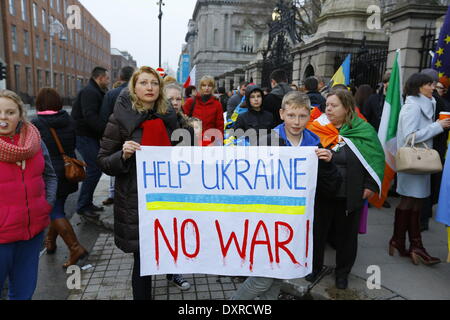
x=61, y=55
x=39, y=79
x=47, y=78
x=29, y=79
x=237, y=40
x=216, y=37
x=51, y=3
x=17, y=77
x=61, y=76
x=24, y=10
x=14, y=38
x=58, y=6
x=26, y=43
x=65, y=8
x=38, y=47
x=35, y=14
x=12, y=7
x=44, y=20
x=45, y=49
x=54, y=53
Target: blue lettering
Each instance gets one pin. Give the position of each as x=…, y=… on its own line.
x=217, y=177
x=225, y=176
x=281, y=168
x=170, y=177
x=260, y=162
x=183, y=174
x=240, y=173
x=160, y=174
x=148, y=174
x=298, y=174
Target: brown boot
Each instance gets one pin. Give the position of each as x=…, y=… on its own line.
x=401, y=225
x=66, y=232
x=50, y=240
x=417, y=251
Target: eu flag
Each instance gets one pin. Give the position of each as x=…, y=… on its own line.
x=441, y=60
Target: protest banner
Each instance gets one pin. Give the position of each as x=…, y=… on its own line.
x=244, y=211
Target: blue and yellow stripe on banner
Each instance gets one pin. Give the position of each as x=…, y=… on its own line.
x=226, y=203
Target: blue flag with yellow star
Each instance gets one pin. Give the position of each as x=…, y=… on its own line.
x=441, y=60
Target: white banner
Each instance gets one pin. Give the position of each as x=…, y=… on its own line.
x=238, y=211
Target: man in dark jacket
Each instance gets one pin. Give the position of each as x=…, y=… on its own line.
x=272, y=102
x=373, y=108
x=86, y=113
x=312, y=88
x=236, y=99
x=107, y=110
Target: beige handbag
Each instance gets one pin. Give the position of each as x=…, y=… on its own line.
x=414, y=160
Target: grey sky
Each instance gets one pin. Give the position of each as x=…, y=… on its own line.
x=134, y=27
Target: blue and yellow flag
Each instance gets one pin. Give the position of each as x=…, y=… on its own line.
x=441, y=60
x=342, y=76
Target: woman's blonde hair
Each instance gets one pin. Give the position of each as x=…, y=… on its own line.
x=348, y=102
x=161, y=105
x=8, y=94
x=207, y=80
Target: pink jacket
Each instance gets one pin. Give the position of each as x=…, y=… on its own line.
x=24, y=210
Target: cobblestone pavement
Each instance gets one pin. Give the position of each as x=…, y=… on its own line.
x=109, y=278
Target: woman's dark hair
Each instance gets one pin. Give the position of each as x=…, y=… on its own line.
x=362, y=94
x=188, y=91
x=415, y=82
x=48, y=99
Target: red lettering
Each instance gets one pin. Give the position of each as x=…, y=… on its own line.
x=241, y=250
x=282, y=245
x=260, y=242
x=183, y=238
x=173, y=251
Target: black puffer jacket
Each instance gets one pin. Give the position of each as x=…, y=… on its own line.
x=124, y=125
x=65, y=129
x=272, y=102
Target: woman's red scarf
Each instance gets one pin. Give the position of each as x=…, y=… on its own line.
x=22, y=147
x=155, y=134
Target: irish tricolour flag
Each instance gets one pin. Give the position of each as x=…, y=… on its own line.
x=388, y=129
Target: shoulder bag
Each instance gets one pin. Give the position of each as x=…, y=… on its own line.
x=413, y=160
x=74, y=169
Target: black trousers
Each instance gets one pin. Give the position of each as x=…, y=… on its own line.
x=142, y=286
x=346, y=226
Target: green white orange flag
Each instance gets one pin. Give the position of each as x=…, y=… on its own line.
x=388, y=129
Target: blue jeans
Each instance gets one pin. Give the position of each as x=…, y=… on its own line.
x=265, y=288
x=88, y=148
x=58, y=209
x=19, y=263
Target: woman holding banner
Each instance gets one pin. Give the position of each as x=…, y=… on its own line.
x=141, y=117
x=359, y=156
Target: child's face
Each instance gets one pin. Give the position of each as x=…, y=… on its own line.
x=295, y=119
x=256, y=100
x=9, y=117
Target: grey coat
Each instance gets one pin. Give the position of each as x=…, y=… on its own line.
x=417, y=116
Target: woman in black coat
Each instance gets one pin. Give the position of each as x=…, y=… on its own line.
x=51, y=115
x=141, y=117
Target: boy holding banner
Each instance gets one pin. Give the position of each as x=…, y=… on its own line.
x=295, y=112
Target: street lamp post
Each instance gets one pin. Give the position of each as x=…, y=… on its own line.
x=56, y=27
x=160, y=3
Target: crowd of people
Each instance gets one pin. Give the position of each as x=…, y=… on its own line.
x=144, y=109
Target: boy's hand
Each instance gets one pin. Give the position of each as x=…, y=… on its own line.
x=324, y=154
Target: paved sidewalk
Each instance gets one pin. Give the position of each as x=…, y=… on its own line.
x=110, y=278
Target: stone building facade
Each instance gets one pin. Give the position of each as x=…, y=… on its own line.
x=223, y=35
x=120, y=59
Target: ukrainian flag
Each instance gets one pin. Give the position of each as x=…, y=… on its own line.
x=342, y=76
x=225, y=203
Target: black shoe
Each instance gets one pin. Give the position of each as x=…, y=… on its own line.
x=108, y=202
x=313, y=276
x=424, y=226
x=95, y=208
x=89, y=214
x=386, y=205
x=341, y=283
